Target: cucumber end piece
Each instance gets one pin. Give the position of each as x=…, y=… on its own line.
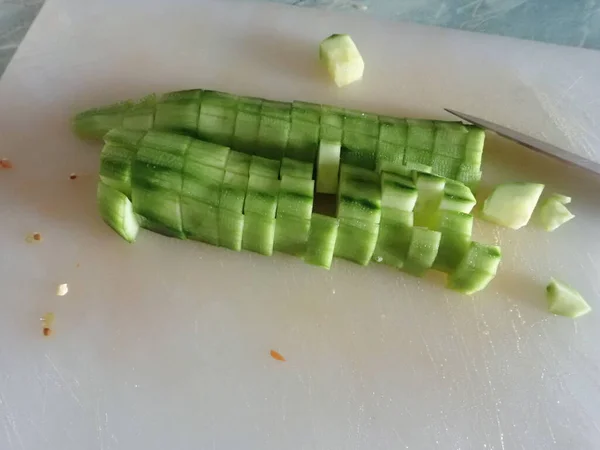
x=564, y=300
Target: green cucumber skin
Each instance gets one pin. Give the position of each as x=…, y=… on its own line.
x=275, y=129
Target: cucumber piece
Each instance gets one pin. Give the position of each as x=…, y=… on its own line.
x=247, y=121
x=445, y=166
x=418, y=156
x=179, y=112
x=397, y=192
x=200, y=220
x=296, y=197
x=231, y=207
x=396, y=167
x=388, y=155
x=414, y=166
x=397, y=217
x=238, y=163
x=328, y=167
x=115, y=167
x=321, y=242
x=359, y=195
x=342, y=59
x=159, y=210
x=565, y=300
x=169, y=143
x=259, y=233
x=261, y=197
x=456, y=228
x=512, y=204
x=553, y=212
x=360, y=139
x=393, y=130
x=140, y=117
x=303, y=140
x=469, y=175
x=274, y=129
x=202, y=183
x=296, y=168
x=421, y=134
x=356, y=240
x=332, y=124
x=477, y=268
x=457, y=197
x=453, y=221
x=264, y=167
x=422, y=250
x=117, y=211
x=217, y=119
x=474, y=146
x=124, y=137
x=291, y=234
x=393, y=243
x=430, y=190
x=450, y=139
x=231, y=229
x=207, y=154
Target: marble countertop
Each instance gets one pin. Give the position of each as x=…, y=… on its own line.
x=566, y=22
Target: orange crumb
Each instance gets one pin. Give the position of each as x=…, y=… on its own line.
x=47, y=331
x=5, y=163
x=37, y=237
x=72, y=176
x=276, y=355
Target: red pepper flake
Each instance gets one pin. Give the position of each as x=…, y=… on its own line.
x=277, y=356
x=5, y=164
x=47, y=331
x=37, y=237
x=72, y=176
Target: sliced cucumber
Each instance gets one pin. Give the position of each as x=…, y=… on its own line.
x=231, y=229
x=421, y=135
x=450, y=140
x=553, y=212
x=217, y=119
x=512, y=204
x=565, y=300
x=393, y=243
x=291, y=234
x=457, y=197
x=117, y=211
x=321, y=242
x=247, y=121
x=296, y=168
x=397, y=217
x=231, y=207
x=456, y=228
x=397, y=192
x=259, y=233
x=332, y=124
x=264, y=167
x=115, y=167
x=430, y=190
x=123, y=137
x=359, y=195
x=274, y=129
x=328, y=167
x=303, y=140
x=200, y=221
x=356, y=240
x=391, y=143
x=261, y=197
x=477, y=268
x=178, y=112
x=342, y=59
x=202, y=183
x=422, y=250
x=359, y=140
x=208, y=154
x=238, y=163
x=295, y=197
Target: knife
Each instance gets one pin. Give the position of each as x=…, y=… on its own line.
x=531, y=142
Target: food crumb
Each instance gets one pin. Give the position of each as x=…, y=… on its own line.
x=33, y=237
x=5, y=163
x=47, y=331
x=62, y=289
x=48, y=321
x=72, y=176
x=277, y=356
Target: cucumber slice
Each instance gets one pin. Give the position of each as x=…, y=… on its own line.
x=259, y=233
x=264, y=167
x=430, y=190
x=295, y=197
x=397, y=192
x=456, y=228
x=423, y=248
x=321, y=242
x=393, y=130
x=421, y=134
x=171, y=143
x=202, y=183
x=328, y=167
x=303, y=140
x=360, y=139
x=396, y=167
x=469, y=175
x=356, y=240
x=274, y=129
x=231, y=207
x=415, y=166
x=445, y=166
x=477, y=268
x=124, y=137
x=207, y=154
x=179, y=112
x=332, y=124
x=231, y=229
x=457, y=197
x=200, y=220
x=512, y=204
x=418, y=156
x=389, y=155
x=96, y=122
x=553, y=212
x=342, y=59
x=393, y=243
x=115, y=167
x=261, y=197
x=450, y=139
x=217, y=119
x=117, y=211
x=238, y=163
x=565, y=300
x=474, y=146
x=247, y=121
x=140, y=117
x=397, y=217
x=453, y=221
x=159, y=210
x=359, y=195
x=291, y=234
x=296, y=168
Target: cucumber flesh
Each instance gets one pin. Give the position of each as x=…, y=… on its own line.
x=261, y=197
x=259, y=233
x=295, y=197
x=553, y=212
x=117, y=211
x=564, y=300
x=342, y=59
x=397, y=192
x=264, y=167
x=422, y=250
x=512, y=204
x=477, y=268
x=430, y=190
x=321, y=242
x=328, y=167
x=356, y=240
x=296, y=168
x=115, y=167
x=393, y=243
x=359, y=194
x=291, y=235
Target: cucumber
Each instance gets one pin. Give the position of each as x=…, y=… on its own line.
x=264, y=167
x=296, y=169
x=124, y=137
x=359, y=195
x=477, y=268
x=393, y=243
x=217, y=119
x=238, y=163
x=178, y=112
x=303, y=139
x=274, y=129
x=200, y=221
x=322, y=239
x=457, y=197
x=231, y=207
x=328, y=167
x=512, y=204
x=261, y=197
x=421, y=135
x=564, y=300
x=202, y=183
x=553, y=212
x=115, y=167
x=231, y=229
x=359, y=139
x=391, y=143
x=397, y=192
x=332, y=124
x=456, y=228
x=342, y=59
x=295, y=197
x=422, y=250
x=117, y=211
x=430, y=190
x=356, y=240
x=247, y=122
x=259, y=233
x=450, y=139
x=208, y=154
x=291, y=234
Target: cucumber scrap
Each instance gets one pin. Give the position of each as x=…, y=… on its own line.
x=553, y=213
x=564, y=300
x=512, y=204
x=342, y=59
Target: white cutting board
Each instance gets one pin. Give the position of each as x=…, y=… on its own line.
x=165, y=344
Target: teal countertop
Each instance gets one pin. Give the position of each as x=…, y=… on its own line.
x=567, y=22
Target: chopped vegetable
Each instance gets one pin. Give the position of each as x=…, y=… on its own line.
x=553, y=212
x=33, y=237
x=5, y=163
x=512, y=204
x=564, y=300
x=47, y=323
x=72, y=176
x=342, y=59
x=62, y=289
x=277, y=356
x=328, y=167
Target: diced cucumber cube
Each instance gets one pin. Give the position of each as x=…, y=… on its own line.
x=423, y=248
x=397, y=192
x=477, y=268
x=179, y=112
x=430, y=190
x=200, y=220
x=217, y=118
x=450, y=139
x=359, y=195
x=356, y=240
x=328, y=167
x=553, y=213
x=259, y=233
x=208, y=154
x=160, y=210
x=342, y=59
x=274, y=129
x=392, y=244
x=296, y=168
x=565, y=300
x=264, y=167
x=322, y=239
x=231, y=229
x=421, y=134
x=233, y=192
x=123, y=137
x=261, y=197
x=115, y=167
x=202, y=183
x=117, y=211
x=295, y=197
x=291, y=234
x=238, y=163
x=511, y=204
x=247, y=122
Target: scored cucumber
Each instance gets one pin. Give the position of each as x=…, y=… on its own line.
x=359, y=195
x=422, y=250
x=322, y=237
x=477, y=268
x=342, y=59
x=565, y=300
x=512, y=204
x=117, y=211
x=296, y=169
x=328, y=167
x=553, y=212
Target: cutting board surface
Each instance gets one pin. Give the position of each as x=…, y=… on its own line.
x=165, y=344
